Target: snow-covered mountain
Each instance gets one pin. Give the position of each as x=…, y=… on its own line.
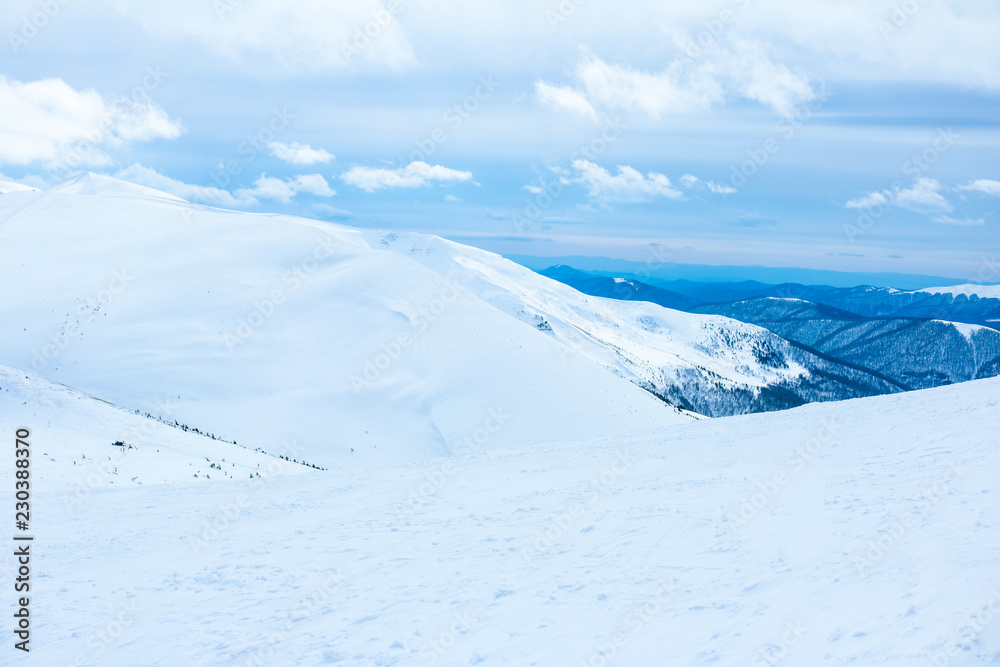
x=848, y=533
x=360, y=345
x=968, y=290
x=10, y=186
x=712, y=365
x=500, y=489
x=90, y=445
x=917, y=353
x=351, y=350
x=968, y=304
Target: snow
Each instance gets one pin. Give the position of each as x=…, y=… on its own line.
x=362, y=346
x=10, y=186
x=782, y=298
x=967, y=330
x=982, y=291
x=87, y=183
x=635, y=339
x=137, y=299
x=82, y=428
x=498, y=491
x=876, y=547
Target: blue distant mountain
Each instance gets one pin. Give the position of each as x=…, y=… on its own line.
x=913, y=340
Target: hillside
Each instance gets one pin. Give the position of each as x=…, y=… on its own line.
x=823, y=535
x=354, y=352
x=80, y=433
x=888, y=334
x=360, y=345
x=917, y=353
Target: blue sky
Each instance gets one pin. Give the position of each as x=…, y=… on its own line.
x=849, y=135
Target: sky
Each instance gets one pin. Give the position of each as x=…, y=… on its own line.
x=845, y=135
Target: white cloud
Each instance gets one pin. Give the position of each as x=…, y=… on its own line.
x=296, y=153
x=201, y=194
x=414, y=175
x=689, y=181
x=332, y=212
x=628, y=185
x=313, y=184
x=847, y=40
x=721, y=189
x=870, y=200
x=755, y=77
x=452, y=198
x=264, y=187
x=564, y=97
x=48, y=121
x=620, y=88
x=307, y=35
x=983, y=185
x=284, y=191
x=965, y=222
x=685, y=86
x=923, y=196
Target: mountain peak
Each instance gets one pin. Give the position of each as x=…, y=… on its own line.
x=89, y=183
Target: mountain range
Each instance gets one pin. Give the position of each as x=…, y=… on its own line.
x=363, y=344
x=257, y=436
x=895, y=335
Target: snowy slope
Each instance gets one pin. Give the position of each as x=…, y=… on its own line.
x=10, y=186
x=982, y=291
x=79, y=432
x=638, y=340
x=970, y=331
x=916, y=353
x=852, y=533
x=709, y=364
x=362, y=345
x=357, y=353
